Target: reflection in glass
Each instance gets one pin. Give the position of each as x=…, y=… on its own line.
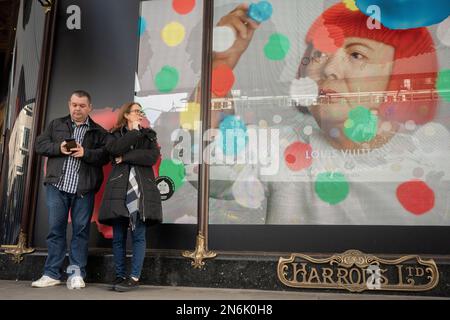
x=18, y=155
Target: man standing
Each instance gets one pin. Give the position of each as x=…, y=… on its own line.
x=74, y=174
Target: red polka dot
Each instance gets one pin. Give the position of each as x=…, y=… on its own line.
x=415, y=196
x=298, y=156
x=222, y=80
x=290, y=158
x=183, y=6
x=328, y=38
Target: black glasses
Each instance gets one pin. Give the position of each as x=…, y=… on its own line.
x=140, y=112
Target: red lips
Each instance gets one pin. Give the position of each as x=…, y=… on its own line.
x=324, y=92
x=329, y=96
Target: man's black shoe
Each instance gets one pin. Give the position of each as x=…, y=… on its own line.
x=127, y=285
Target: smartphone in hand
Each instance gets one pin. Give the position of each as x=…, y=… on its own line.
x=70, y=143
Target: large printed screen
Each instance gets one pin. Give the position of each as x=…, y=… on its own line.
x=321, y=114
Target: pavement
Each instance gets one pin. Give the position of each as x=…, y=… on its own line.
x=22, y=290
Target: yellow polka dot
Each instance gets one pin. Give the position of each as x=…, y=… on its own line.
x=349, y=123
x=173, y=33
x=186, y=126
x=190, y=116
x=396, y=167
x=350, y=4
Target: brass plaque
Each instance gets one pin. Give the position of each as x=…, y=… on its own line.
x=356, y=271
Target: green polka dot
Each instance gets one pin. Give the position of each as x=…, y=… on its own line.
x=167, y=79
x=173, y=169
x=277, y=47
x=361, y=125
x=332, y=187
x=443, y=84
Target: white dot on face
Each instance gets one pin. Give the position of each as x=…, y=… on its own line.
x=386, y=126
x=410, y=125
x=308, y=130
x=443, y=32
x=304, y=91
x=277, y=118
x=223, y=38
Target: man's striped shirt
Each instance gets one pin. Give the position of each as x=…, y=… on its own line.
x=69, y=179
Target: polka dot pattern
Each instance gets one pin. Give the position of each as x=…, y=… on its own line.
x=332, y=187
x=173, y=34
x=222, y=80
x=416, y=197
x=277, y=47
x=167, y=79
x=297, y=156
x=183, y=7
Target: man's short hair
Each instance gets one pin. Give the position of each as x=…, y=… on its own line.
x=81, y=94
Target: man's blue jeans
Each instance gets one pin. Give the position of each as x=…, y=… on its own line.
x=81, y=207
x=120, y=229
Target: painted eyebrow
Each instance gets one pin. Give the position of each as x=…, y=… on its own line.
x=359, y=44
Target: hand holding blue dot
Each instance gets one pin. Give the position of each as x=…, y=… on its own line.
x=260, y=11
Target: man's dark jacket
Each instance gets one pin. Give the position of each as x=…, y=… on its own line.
x=138, y=148
x=95, y=154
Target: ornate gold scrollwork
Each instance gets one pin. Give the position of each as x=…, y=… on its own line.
x=348, y=271
x=200, y=253
x=19, y=249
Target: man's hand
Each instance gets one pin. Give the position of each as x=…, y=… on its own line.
x=77, y=152
x=63, y=149
x=118, y=160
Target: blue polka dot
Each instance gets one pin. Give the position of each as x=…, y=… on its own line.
x=260, y=11
x=142, y=25
x=233, y=135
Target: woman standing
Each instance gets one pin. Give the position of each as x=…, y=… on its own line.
x=131, y=198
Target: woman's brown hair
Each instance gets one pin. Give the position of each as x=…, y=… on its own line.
x=121, y=120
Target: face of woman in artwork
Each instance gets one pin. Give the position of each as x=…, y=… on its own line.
x=345, y=78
